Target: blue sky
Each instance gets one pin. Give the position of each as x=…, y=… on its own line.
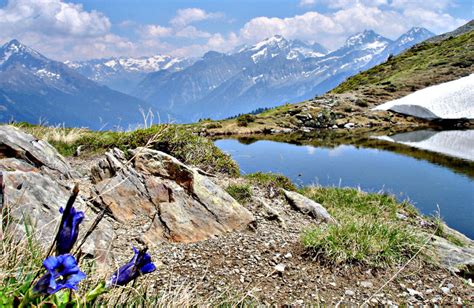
x=86, y=29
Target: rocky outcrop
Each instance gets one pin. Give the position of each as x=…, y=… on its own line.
x=454, y=257
x=148, y=196
x=167, y=199
x=24, y=152
x=34, y=176
x=308, y=206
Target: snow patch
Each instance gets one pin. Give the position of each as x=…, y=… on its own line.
x=449, y=100
x=47, y=74
x=256, y=57
x=376, y=45
x=272, y=41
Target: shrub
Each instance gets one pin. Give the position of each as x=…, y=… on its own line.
x=245, y=119
x=241, y=193
x=270, y=180
x=361, y=103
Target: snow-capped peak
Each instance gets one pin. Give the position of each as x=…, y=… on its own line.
x=365, y=38
x=415, y=33
x=274, y=41
x=129, y=64
x=278, y=45
x=14, y=47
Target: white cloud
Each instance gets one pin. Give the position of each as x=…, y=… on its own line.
x=331, y=29
x=59, y=29
x=156, y=31
x=187, y=16
x=307, y=2
x=52, y=16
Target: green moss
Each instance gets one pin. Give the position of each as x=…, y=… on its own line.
x=240, y=192
x=271, y=180
x=369, y=232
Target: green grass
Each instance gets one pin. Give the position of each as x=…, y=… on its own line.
x=270, y=180
x=369, y=232
x=453, y=54
x=240, y=192
x=442, y=232
x=178, y=141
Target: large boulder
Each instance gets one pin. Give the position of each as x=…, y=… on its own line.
x=165, y=199
x=37, y=183
x=25, y=150
x=458, y=256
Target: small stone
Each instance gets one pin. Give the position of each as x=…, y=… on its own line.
x=299, y=302
x=445, y=290
x=280, y=268
x=349, y=125
x=401, y=216
x=288, y=255
x=349, y=293
x=366, y=284
x=415, y=293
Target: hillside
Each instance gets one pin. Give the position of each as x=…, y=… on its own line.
x=426, y=64
x=35, y=88
x=348, y=105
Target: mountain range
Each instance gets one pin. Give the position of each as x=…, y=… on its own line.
x=270, y=73
x=107, y=92
x=124, y=74
x=34, y=88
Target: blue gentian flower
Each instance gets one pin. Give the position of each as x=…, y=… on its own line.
x=63, y=272
x=140, y=264
x=68, y=230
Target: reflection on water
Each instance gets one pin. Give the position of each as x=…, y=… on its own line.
x=426, y=184
x=456, y=143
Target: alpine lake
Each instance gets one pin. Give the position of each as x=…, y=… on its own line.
x=434, y=170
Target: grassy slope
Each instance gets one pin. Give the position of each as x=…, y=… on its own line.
x=423, y=65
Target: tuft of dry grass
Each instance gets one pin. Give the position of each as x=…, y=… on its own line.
x=55, y=134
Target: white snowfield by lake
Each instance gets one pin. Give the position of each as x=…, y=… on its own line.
x=449, y=100
x=456, y=143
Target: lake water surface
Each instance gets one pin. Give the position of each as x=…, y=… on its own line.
x=426, y=184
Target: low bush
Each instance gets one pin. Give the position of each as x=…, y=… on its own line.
x=245, y=119
x=240, y=192
x=270, y=180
